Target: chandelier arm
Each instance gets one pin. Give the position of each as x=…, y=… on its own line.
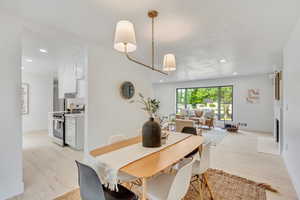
x=148, y=66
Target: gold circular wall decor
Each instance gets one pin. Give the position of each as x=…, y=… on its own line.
x=127, y=90
x=152, y=13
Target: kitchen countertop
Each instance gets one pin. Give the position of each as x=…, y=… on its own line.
x=67, y=114
x=75, y=115
x=57, y=112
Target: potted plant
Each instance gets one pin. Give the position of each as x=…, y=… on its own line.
x=151, y=106
x=151, y=129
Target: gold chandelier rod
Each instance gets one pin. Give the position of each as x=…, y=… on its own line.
x=152, y=14
x=152, y=35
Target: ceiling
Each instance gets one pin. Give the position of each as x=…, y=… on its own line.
x=57, y=45
x=41, y=63
x=249, y=35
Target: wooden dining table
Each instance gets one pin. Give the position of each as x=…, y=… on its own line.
x=148, y=166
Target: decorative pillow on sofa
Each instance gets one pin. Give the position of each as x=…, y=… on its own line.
x=198, y=113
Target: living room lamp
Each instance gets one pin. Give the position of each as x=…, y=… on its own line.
x=125, y=42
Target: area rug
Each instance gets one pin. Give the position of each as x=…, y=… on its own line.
x=224, y=187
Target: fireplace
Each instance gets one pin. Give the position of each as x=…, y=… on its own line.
x=277, y=129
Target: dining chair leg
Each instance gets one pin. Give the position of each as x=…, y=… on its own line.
x=200, y=188
x=194, y=179
x=137, y=182
x=208, y=186
x=131, y=186
x=144, y=186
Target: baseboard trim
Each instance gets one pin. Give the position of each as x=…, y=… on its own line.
x=256, y=131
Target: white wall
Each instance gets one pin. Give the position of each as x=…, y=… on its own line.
x=259, y=117
x=11, y=180
x=40, y=101
x=108, y=113
x=291, y=133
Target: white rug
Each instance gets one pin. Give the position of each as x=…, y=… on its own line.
x=267, y=145
x=215, y=136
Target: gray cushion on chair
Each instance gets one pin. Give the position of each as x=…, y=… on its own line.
x=92, y=189
x=89, y=183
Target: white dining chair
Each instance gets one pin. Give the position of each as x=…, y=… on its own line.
x=172, y=186
x=116, y=138
x=200, y=166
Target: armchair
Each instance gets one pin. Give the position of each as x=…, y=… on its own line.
x=198, y=116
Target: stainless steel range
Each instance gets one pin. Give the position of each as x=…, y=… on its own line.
x=58, y=118
x=59, y=128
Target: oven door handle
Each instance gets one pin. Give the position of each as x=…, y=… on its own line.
x=59, y=120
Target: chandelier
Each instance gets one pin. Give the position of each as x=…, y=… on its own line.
x=125, y=42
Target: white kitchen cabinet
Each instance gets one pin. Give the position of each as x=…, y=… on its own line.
x=67, y=80
x=70, y=79
x=81, y=89
x=74, y=131
x=70, y=130
x=72, y=64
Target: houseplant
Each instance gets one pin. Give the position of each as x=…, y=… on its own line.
x=151, y=129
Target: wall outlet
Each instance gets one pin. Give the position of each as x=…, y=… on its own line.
x=243, y=124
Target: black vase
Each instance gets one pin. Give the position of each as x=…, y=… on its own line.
x=151, y=134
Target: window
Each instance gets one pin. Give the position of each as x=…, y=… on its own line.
x=219, y=99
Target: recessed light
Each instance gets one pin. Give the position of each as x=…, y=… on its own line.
x=234, y=73
x=43, y=51
x=161, y=80
x=22, y=68
x=223, y=61
x=28, y=60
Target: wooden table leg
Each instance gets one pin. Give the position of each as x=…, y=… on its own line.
x=144, y=186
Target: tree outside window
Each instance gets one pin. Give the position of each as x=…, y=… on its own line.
x=219, y=99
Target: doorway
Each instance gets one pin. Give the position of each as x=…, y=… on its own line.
x=53, y=85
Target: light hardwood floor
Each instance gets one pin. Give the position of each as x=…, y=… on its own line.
x=49, y=170
x=237, y=154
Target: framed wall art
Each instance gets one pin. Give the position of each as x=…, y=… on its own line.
x=253, y=96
